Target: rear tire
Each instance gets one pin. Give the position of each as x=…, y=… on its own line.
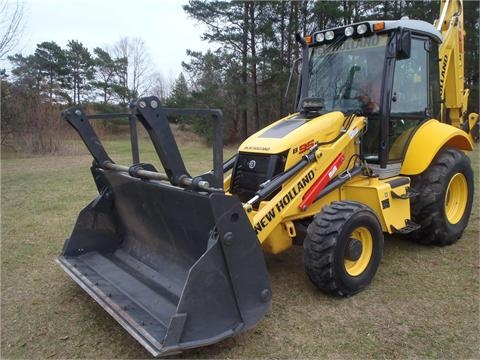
x=343, y=248
x=445, y=201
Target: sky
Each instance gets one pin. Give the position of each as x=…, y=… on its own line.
x=163, y=25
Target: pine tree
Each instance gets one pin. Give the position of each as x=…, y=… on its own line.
x=107, y=70
x=80, y=70
x=51, y=61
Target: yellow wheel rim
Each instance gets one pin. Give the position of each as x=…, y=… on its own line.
x=456, y=198
x=355, y=268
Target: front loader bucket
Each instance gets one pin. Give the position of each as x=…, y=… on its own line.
x=177, y=264
x=177, y=269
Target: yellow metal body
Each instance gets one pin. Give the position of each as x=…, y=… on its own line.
x=427, y=141
x=392, y=211
x=320, y=129
x=274, y=220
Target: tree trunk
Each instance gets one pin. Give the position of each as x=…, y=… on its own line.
x=74, y=87
x=296, y=52
x=290, y=36
x=50, y=90
x=78, y=89
x=282, y=55
x=385, y=9
x=304, y=16
x=244, y=121
x=256, y=115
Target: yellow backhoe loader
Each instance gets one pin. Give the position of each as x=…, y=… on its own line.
x=376, y=147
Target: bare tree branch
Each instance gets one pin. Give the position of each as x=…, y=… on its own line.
x=11, y=25
x=139, y=64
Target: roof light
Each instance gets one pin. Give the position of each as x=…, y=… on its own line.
x=349, y=31
x=362, y=29
x=320, y=37
x=308, y=39
x=329, y=35
x=378, y=26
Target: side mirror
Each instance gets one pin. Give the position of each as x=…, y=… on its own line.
x=404, y=44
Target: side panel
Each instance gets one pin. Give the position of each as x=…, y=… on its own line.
x=426, y=143
x=388, y=203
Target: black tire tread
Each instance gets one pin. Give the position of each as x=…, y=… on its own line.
x=322, y=237
x=427, y=210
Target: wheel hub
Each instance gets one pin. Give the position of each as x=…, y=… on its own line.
x=353, y=249
x=456, y=198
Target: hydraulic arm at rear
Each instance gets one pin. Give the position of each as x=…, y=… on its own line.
x=452, y=56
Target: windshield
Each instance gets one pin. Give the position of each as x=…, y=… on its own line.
x=347, y=73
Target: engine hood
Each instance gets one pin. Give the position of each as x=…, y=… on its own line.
x=293, y=131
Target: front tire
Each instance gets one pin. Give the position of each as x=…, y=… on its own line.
x=445, y=201
x=343, y=248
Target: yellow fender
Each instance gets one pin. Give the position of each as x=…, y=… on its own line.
x=427, y=142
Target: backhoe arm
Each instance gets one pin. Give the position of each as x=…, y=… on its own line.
x=453, y=93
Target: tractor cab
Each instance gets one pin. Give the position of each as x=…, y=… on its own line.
x=386, y=71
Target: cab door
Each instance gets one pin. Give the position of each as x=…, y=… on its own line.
x=415, y=96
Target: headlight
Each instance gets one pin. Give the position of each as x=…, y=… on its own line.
x=362, y=29
x=349, y=31
x=329, y=35
x=320, y=37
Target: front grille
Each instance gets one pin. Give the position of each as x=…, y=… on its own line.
x=251, y=170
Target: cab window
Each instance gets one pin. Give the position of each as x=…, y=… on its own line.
x=410, y=97
x=410, y=89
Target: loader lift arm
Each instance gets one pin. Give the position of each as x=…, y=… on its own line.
x=154, y=119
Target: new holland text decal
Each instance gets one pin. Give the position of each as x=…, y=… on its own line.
x=283, y=202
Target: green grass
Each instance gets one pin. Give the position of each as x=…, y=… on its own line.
x=424, y=301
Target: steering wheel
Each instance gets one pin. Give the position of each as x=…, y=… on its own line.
x=351, y=92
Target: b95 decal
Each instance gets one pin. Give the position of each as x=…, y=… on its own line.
x=304, y=147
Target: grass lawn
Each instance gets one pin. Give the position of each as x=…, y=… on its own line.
x=424, y=301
